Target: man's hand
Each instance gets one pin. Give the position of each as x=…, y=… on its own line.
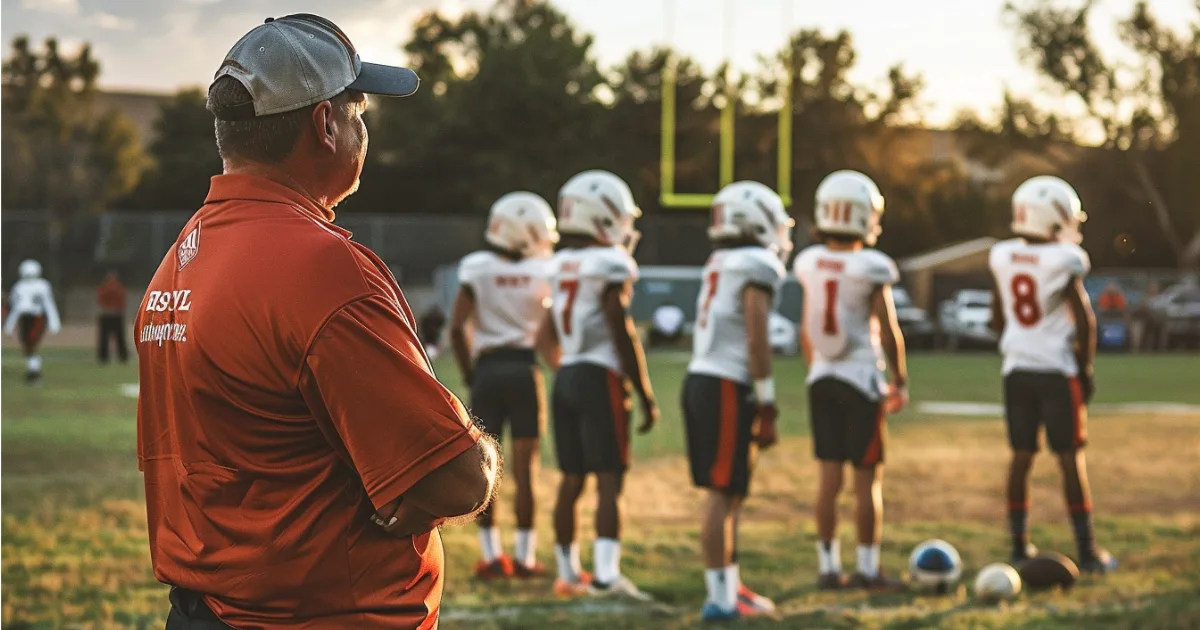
x=897, y=399
x=405, y=519
x=649, y=415
x=1087, y=383
x=765, y=433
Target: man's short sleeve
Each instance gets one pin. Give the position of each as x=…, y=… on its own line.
x=1078, y=261
x=880, y=268
x=472, y=268
x=802, y=266
x=759, y=267
x=368, y=384
x=613, y=265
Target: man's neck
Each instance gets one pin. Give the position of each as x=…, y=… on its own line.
x=281, y=177
x=841, y=246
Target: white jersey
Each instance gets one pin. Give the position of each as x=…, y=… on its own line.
x=843, y=333
x=1033, y=279
x=719, y=338
x=511, y=298
x=578, y=279
x=32, y=296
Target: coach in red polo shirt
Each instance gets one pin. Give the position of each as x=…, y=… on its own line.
x=298, y=451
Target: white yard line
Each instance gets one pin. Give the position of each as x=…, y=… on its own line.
x=942, y=408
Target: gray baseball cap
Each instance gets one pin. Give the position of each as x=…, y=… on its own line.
x=297, y=60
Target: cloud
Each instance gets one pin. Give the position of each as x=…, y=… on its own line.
x=113, y=23
x=60, y=7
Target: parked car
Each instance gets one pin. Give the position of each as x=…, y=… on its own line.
x=1178, y=312
x=918, y=329
x=783, y=335
x=964, y=318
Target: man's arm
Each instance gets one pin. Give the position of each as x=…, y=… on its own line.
x=546, y=341
x=756, y=301
x=997, y=322
x=460, y=341
x=883, y=306
x=1085, y=335
x=53, y=323
x=629, y=348
x=453, y=493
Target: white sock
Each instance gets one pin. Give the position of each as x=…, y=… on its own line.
x=526, y=550
x=489, y=543
x=714, y=582
x=33, y=364
x=567, y=557
x=608, y=560
x=829, y=557
x=868, y=560
x=732, y=582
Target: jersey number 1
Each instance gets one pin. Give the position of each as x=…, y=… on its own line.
x=831, y=326
x=571, y=288
x=1025, y=304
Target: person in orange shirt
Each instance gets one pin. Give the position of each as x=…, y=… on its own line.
x=1112, y=301
x=298, y=451
x=110, y=299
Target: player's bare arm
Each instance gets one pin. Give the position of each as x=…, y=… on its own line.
x=883, y=307
x=1085, y=335
x=756, y=301
x=546, y=341
x=996, y=324
x=629, y=348
x=460, y=340
x=454, y=492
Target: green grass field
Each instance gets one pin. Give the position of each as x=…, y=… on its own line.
x=74, y=550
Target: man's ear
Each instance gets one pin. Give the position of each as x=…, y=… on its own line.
x=323, y=124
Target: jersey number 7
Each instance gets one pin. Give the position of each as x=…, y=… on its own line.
x=571, y=288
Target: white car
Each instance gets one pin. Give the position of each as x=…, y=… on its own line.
x=783, y=335
x=965, y=318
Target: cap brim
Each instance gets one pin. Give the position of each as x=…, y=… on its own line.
x=384, y=80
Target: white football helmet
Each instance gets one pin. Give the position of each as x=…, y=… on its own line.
x=1048, y=207
x=599, y=204
x=849, y=203
x=750, y=210
x=522, y=222
x=30, y=269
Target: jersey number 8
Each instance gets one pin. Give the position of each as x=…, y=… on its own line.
x=1025, y=304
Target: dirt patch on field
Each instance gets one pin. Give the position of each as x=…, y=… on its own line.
x=946, y=469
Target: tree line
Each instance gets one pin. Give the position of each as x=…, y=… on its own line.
x=513, y=97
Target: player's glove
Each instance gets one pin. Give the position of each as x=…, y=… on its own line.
x=897, y=399
x=765, y=433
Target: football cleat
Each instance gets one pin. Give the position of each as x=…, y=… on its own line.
x=712, y=612
x=1098, y=563
x=751, y=604
x=534, y=570
x=623, y=587
x=1018, y=559
x=831, y=582
x=880, y=583
x=499, y=568
x=578, y=588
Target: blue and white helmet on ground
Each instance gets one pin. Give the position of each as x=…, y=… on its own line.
x=935, y=564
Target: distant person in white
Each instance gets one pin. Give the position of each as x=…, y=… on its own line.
x=31, y=312
x=668, y=324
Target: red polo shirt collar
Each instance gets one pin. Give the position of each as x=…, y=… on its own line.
x=240, y=186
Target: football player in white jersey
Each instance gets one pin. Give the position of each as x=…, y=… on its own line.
x=1048, y=338
x=592, y=279
x=31, y=312
x=729, y=394
x=503, y=297
x=851, y=338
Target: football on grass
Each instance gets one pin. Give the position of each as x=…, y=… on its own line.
x=1048, y=570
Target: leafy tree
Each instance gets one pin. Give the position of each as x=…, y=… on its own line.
x=184, y=155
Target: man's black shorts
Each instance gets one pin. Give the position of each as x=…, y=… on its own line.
x=718, y=416
x=508, y=388
x=846, y=425
x=31, y=328
x=1050, y=399
x=591, y=419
